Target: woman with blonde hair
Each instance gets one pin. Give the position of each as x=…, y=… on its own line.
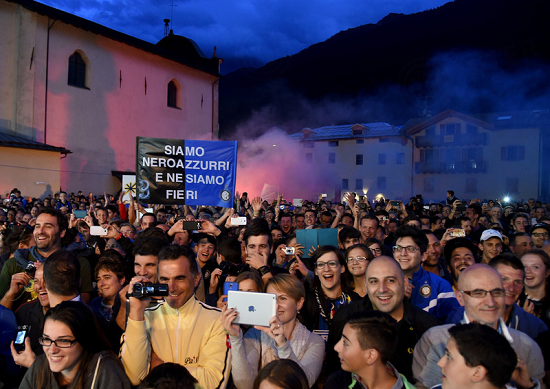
x=285, y=338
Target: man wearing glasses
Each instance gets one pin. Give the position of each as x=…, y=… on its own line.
x=426, y=290
x=539, y=234
x=481, y=293
x=511, y=270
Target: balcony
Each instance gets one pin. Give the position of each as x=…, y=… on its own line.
x=451, y=140
x=468, y=167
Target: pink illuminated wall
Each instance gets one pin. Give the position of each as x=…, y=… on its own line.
x=126, y=97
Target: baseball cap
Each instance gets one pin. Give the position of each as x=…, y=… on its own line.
x=488, y=234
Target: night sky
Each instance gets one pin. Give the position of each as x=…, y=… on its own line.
x=246, y=32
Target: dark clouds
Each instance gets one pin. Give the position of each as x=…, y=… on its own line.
x=257, y=31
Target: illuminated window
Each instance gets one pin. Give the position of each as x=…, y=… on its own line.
x=77, y=71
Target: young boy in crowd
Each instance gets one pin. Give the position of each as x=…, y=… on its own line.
x=368, y=341
x=478, y=357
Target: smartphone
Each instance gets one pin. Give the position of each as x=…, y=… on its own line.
x=460, y=207
x=98, y=231
x=394, y=203
x=79, y=213
x=191, y=225
x=19, y=343
x=227, y=286
x=238, y=221
x=457, y=233
x=297, y=202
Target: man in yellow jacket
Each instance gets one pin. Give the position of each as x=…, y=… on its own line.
x=183, y=330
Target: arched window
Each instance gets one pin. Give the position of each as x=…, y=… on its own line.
x=77, y=71
x=172, y=95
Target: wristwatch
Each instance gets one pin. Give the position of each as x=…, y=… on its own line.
x=264, y=270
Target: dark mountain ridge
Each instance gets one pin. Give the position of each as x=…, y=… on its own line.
x=387, y=71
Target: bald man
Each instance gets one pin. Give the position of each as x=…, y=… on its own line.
x=481, y=293
x=386, y=293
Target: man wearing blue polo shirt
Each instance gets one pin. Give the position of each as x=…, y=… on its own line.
x=426, y=290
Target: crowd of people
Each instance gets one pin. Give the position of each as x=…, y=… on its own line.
x=96, y=293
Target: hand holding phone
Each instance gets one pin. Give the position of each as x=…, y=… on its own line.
x=227, y=286
x=98, y=231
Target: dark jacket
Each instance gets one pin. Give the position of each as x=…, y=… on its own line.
x=110, y=327
x=32, y=314
x=103, y=372
x=311, y=313
x=414, y=323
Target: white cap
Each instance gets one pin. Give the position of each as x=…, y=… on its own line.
x=488, y=234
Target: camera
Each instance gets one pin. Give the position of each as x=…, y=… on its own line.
x=147, y=289
x=290, y=250
x=228, y=267
x=30, y=269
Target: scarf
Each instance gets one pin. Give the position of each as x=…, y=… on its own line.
x=299, y=342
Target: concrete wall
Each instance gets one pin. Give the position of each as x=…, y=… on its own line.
x=34, y=172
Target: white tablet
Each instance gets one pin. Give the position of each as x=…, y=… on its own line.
x=253, y=308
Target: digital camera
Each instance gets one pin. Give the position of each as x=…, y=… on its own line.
x=147, y=289
x=30, y=269
x=290, y=250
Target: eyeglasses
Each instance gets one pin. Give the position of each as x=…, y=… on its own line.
x=375, y=251
x=357, y=259
x=540, y=234
x=331, y=264
x=481, y=293
x=61, y=343
x=409, y=249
